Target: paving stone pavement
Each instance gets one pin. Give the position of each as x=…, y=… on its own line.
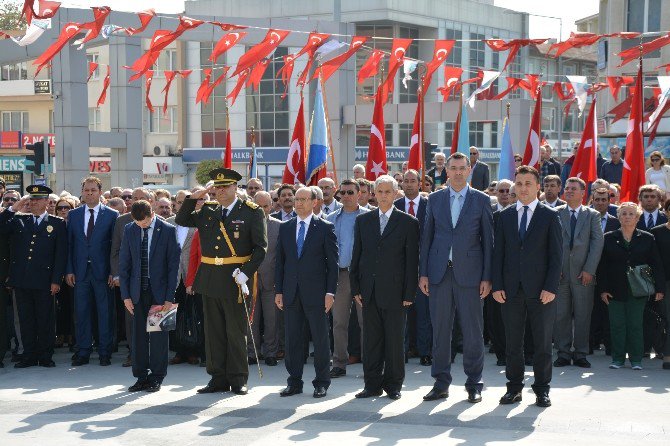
x=69, y=406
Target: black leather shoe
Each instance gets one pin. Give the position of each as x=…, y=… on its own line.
x=436, y=394
x=76, y=362
x=501, y=363
x=2, y=365
x=337, y=372
x=239, y=390
x=582, y=362
x=252, y=361
x=290, y=391
x=510, y=398
x=366, y=393
x=542, y=400
x=211, y=388
x=426, y=360
x=394, y=394
x=319, y=392
x=105, y=361
x=138, y=386
x=152, y=386
x=270, y=361
x=406, y=358
x=561, y=362
x=474, y=396
x=48, y=363
x=23, y=364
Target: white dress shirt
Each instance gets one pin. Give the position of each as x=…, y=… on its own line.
x=87, y=215
x=531, y=211
x=182, y=232
x=654, y=217
x=40, y=218
x=387, y=213
x=416, y=201
x=230, y=207
x=577, y=210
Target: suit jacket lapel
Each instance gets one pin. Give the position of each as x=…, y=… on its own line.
x=565, y=220
x=466, y=203
x=513, y=222
x=581, y=219
x=392, y=223
x=154, y=238
x=310, y=232
x=293, y=245
x=533, y=219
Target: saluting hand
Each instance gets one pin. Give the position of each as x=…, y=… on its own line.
x=200, y=193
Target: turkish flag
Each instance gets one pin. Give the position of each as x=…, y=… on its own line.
x=271, y=41
x=204, y=85
x=584, y=165
x=286, y=71
x=615, y=83
x=330, y=66
x=105, y=86
x=396, y=58
x=91, y=69
x=512, y=85
x=415, y=159
x=69, y=31
x=169, y=77
x=145, y=17
x=210, y=89
x=452, y=78
x=257, y=74
x=513, y=46
x=100, y=14
x=228, y=154
x=633, y=53
x=531, y=156
x=621, y=110
x=633, y=165
x=440, y=53
x=371, y=66
x=314, y=41
x=241, y=79
x=562, y=95
x=47, y=10
x=531, y=84
x=294, y=172
x=225, y=43
x=147, y=87
x=376, y=163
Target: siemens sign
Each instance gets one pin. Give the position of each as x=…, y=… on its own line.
x=12, y=163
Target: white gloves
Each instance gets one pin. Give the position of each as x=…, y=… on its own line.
x=241, y=280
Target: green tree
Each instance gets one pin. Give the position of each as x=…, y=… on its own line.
x=203, y=169
x=10, y=15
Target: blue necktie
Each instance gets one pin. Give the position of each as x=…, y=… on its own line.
x=301, y=238
x=650, y=221
x=524, y=223
x=573, y=225
x=455, y=212
x=144, y=262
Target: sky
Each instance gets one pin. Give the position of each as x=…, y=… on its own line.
x=567, y=10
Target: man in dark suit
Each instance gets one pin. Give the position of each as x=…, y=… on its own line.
x=479, y=172
x=527, y=261
x=305, y=282
x=383, y=277
x=38, y=255
x=90, y=229
x=650, y=201
x=286, y=194
x=455, y=272
x=415, y=205
x=552, y=188
x=148, y=269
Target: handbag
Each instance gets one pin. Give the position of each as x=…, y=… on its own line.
x=640, y=280
x=189, y=330
x=654, y=326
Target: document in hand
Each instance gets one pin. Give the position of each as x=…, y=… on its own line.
x=159, y=320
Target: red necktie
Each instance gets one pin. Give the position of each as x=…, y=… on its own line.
x=411, y=209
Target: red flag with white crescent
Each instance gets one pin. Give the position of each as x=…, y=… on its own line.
x=584, y=166
x=294, y=172
x=314, y=41
x=105, y=86
x=241, y=79
x=396, y=58
x=204, y=85
x=440, y=54
x=100, y=14
x=330, y=66
x=452, y=81
x=415, y=159
x=371, y=66
x=376, y=163
x=145, y=18
x=225, y=43
x=69, y=31
x=531, y=156
x=92, y=66
x=210, y=89
x=633, y=175
x=169, y=77
x=286, y=71
x=47, y=10
x=149, y=76
x=263, y=49
x=257, y=74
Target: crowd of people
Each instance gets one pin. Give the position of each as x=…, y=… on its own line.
x=540, y=270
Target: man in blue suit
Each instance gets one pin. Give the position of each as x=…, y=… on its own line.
x=455, y=272
x=305, y=283
x=148, y=269
x=90, y=229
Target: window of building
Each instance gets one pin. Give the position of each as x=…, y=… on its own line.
x=160, y=122
x=266, y=110
x=365, y=91
x=213, y=114
x=94, y=119
x=14, y=72
x=166, y=61
x=515, y=71
x=15, y=121
x=408, y=95
x=448, y=133
x=363, y=135
x=482, y=134
x=405, y=134
x=643, y=15
x=93, y=58
x=548, y=119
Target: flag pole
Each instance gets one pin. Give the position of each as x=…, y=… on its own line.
x=228, y=132
x=253, y=151
x=421, y=97
x=330, y=138
x=304, y=137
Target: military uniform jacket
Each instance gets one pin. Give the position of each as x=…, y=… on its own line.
x=38, y=254
x=246, y=229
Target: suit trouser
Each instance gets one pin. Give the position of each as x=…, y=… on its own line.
x=626, y=329
x=37, y=316
x=446, y=299
x=666, y=306
x=424, y=328
x=341, y=317
x=266, y=311
x=496, y=326
x=541, y=316
x=574, y=303
x=295, y=316
x=17, y=325
x=90, y=292
x=4, y=320
x=383, y=347
x=149, y=351
x=226, y=340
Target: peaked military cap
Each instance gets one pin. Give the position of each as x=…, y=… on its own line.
x=38, y=191
x=224, y=177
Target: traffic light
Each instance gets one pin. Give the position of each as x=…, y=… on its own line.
x=40, y=158
x=429, y=151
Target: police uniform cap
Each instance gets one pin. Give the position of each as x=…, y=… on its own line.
x=38, y=191
x=224, y=177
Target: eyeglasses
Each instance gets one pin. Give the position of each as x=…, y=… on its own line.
x=473, y=153
x=5, y=199
x=503, y=191
x=347, y=192
x=303, y=200
x=648, y=197
x=126, y=197
x=655, y=159
x=275, y=199
x=612, y=195
x=63, y=208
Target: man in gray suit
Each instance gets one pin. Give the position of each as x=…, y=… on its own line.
x=455, y=274
x=582, y=246
x=479, y=173
x=265, y=307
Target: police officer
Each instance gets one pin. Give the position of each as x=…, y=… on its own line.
x=233, y=240
x=38, y=246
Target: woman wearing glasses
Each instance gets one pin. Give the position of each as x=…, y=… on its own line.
x=659, y=172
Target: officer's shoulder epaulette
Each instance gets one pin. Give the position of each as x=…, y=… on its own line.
x=211, y=203
x=251, y=204
x=56, y=217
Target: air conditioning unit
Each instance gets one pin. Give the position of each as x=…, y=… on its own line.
x=160, y=150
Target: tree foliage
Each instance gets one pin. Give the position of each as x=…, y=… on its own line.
x=10, y=15
x=203, y=169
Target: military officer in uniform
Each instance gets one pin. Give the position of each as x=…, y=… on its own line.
x=38, y=246
x=233, y=239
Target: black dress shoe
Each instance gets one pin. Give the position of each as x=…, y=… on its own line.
x=436, y=394
x=79, y=361
x=239, y=390
x=16, y=357
x=394, y=394
x=2, y=365
x=211, y=388
x=501, y=363
x=366, y=393
x=561, y=362
x=426, y=360
x=152, y=386
x=270, y=361
x=127, y=363
x=510, y=398
x=105, y=361
x=406, y=358
x=139, y=385
x=337, y=372
x=542, y=400
x=25, y=364
x=474, y=396
x=48, y=363
x=582, y=362
x=252, y=361
x=319, y=392
x=74, y=356
x=290, y=391
x=666, y=365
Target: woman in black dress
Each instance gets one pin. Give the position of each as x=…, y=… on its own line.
x=662, y=235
